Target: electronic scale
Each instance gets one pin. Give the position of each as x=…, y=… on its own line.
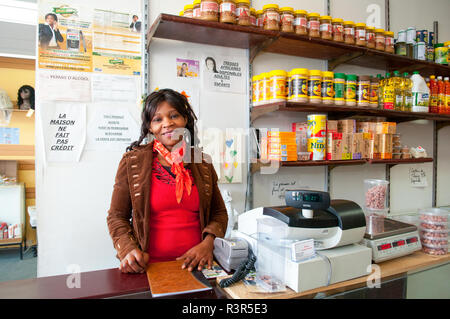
x=398, y=239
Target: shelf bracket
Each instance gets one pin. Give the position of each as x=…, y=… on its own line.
x=254, y=51
x=257, y=112
x=334, y=63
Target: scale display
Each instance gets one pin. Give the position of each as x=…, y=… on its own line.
x=315, y=198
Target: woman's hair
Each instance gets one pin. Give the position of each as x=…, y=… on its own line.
x=19, y=98
x=214, y=61
x=177, y=101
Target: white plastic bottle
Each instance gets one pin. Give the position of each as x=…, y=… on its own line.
x=420, y=93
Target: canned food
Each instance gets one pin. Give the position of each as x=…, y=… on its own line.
x=317, y=125
x=316, y=148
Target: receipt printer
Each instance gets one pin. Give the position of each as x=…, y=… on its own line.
x=230, y=252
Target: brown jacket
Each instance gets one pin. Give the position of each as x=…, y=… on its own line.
x=131, y=195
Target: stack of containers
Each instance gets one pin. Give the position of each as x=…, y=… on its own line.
x=375, y=204
x=281, y=146
x=434, y=230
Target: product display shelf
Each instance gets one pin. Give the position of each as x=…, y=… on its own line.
x=338, y=111
x=256, y=39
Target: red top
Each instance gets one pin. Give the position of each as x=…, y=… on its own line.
x=174, y=228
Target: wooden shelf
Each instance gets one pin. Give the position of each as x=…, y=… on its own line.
x=336, y=111
x=16, y=151
x=173, y=27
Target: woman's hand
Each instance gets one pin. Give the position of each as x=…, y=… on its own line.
x=199, y=255
x=134, y=262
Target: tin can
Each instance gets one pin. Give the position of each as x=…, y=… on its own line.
x=420, y=51
x=317, y=125
x=422, y=36
x=411, y=35
x=317, y=148
x=431, y=39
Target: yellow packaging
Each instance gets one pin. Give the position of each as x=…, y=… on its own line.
x=317, y=125
x=281, y=146
x=264, y=91
x=277, y=85
x=386, y=127
x=317, y=148
x=367, y=149
x=281, y=134
x=382, y=146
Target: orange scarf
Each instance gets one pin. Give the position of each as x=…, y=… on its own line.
x=175, y=159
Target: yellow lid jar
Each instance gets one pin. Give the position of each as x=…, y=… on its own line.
x=370, y=37
x=338, y=29
x=209, y=10
x=299, y=85
x=349, y=32
x=301, y=22
x=227, y=10
x=326, y=28
x=288, y=85
x=188, y=11
x=277, y=85
x=259, y=18
x=315, y=86
x=243, y=12
x=264, y=92
x=360, y=34
x=252, y=17
x=389, y=42
x=196, y=9
x=314, y=25
x=380, y=40
x=287, y=19
x=327, y=87
x=255, y=89
x=271, y=17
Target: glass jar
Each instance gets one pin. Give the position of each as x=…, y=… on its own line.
x=252, y=17
x=243, y=12
x=360, y=34
x=188, y=11
x=287, y=19
x=299, y=85
x=339, y=88
x=277, y=85
x=271, y=17
x=209, y=10
x=315, y=86
x=196, y=9
x=301, y=22
x=370, y=37
x=350, y=90
x=338, y=29
x=288, y=85
x=327, y=87
x=314, y=25
x=363, y=91
x=264, y=86
x=227, y=11
x=326, y=28
x=374, y=88
x=255, y=89
x=380, y=40
x=349, y=32
x=389, y=42
x=259, y=18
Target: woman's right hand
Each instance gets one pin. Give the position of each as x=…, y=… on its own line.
x=134, y=262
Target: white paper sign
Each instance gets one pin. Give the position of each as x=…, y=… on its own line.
x=115, y=88
x=64, y=86
x=417, y=177
x=224, y=74
x=64, y=127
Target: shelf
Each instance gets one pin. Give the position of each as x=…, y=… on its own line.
x=255, y=39
x=257, y=166
x=336, y=112
x=16, y=151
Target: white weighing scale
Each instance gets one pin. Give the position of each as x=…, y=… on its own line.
x=398, y=239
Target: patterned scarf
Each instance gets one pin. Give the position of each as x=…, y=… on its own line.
x=175, y=159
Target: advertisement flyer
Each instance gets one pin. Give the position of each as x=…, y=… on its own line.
x=64, y=86
x=224, y=74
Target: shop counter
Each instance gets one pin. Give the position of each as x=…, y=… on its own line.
x=112, y=283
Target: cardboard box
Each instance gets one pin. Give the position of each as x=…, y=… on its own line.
x=283, y=158
x=367, y=149
x=300, y=127
x=347, y=126
x=332, y=126
x=281, y=135
x=372, y=127
x=386, y=127
x=302, y=141
x=357, y=145
x=362, y=127
x=334, y=146
x=346, y=146
x=382, y=146
x=280, y=140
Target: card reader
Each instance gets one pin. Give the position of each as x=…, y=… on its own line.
x=230, y=252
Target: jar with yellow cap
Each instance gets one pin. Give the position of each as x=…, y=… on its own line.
x=360, y=34
x=277, y=85
x=181, y=13
x=327, y=87
x=209, y=10
x=264, y=88
x=259, y=18
x=380, y=39
x=338, y=29
x=389, y=42
x=188, y=11
x=252, y=17
x=299, y=85
x=315, y=86
x=255, y=89
x=314, y=25
x=349, y=32
x=326, y=28
x=288, y=85
x=227, y=10
x=370, y=37
x=271, y=17
x=196, y=9
x=301, y=22
x=243, y=12
x=287, y=19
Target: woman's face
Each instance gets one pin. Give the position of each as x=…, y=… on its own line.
x=164, y=123
x=25, y=94
x=210, y=64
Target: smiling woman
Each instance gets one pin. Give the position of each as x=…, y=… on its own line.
x=174, y=203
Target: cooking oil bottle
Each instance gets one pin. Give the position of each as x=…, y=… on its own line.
x=407, y=93
x=388, y=93
x=398, y=83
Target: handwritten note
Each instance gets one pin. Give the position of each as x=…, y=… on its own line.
x=417, y=177
x=279, y=189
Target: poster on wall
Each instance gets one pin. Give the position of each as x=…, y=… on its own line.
x=187, y=68
x=224, y=74
x=64, y=131
x=115, y=88
x=64, y=86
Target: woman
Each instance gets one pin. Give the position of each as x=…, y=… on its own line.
x=25, y=97
x=211, y=65
x=169, y=191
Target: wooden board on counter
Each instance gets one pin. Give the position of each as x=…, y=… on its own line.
x=402, y=265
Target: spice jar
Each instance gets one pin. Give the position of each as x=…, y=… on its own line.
x=271, y=17
x=188, y=11
x=287, y=19
x=252, y=17
x=326, y=28
x=363, y=90
x=277, y=85
x=209, y=10
x=350, y=90
x=389, y=42
x=259, y=18
x=227, y=11
x=380, y=39
x=338, y=29
x=315, y=86
x=374, y=88
x=349, y=32
x=288, y=85
x=299, y=85
x=313, y=25
x=264, y=88
x=327, y=87
x=360, y=34
x=301, y=22
x=243, y=12
x=196, y=9
x=370, y=37
x=255, y=89
x=339, y=88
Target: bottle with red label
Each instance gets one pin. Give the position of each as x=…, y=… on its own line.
x=441, y=95
x=434, y=95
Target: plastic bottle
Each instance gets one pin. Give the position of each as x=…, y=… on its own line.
x=380, y=91
x=398, y=83
x=388, y=93
x=434, y=95
x=441, y=95
x=447, y=95
x=407, y=93
x=420, y=93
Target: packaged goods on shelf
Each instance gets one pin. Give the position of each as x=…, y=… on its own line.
x=386, y=128
x=287, y=19
x=300, y=130
x=347, y=146
x=347, y=126
x=382, y=146
x=227, y=11
x=368, y=142
x=420, y=93
x=315, y=86
x=357, y=145
x=332, y=126
x=243, y=16
x=334, y=146
x=317, y=148
x=317, y=125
